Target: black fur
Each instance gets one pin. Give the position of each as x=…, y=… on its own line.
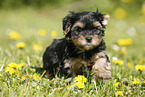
x=69, y=20
x=62, y=49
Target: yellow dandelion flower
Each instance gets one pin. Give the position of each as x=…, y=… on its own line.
x=140, y=67
x=143, y=81
x=143, y=9
x=0, y=75
x=54, y=34
x=36, y=77
x=141, y=61
x=14, y=65
x=136, y=81
x=37, y=47
x=24, y=77
x=81, y=78
x=120, y=13
x=119, y=93
x=116, y=84
x=129, y=65
x=41, y=32
x=20, y=45
x=124, y=42
x=126, y=1
x=80, y=85
x=20, y=65
x=122, y=51
x=10, y=70
x=14, y=35
x=119, y=62
x=17, y=66
x=60, y=88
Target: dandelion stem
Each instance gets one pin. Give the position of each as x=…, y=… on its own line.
x=140, y=71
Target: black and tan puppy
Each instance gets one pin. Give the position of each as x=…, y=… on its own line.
x=83, y=48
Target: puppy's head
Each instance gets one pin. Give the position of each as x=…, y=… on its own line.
x=85, y=29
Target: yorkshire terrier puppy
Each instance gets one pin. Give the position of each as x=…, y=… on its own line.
x=83, y=49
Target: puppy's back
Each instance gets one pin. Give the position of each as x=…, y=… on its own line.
x=53, y=56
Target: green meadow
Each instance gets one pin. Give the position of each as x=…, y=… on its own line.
x=25, y=33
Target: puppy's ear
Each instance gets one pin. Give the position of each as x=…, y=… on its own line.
x=67, y=22
x=103, y=18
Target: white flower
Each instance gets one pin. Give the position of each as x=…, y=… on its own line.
x=114, y=58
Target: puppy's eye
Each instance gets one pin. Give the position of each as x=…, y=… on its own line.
x=78, y=28
x=76, y=33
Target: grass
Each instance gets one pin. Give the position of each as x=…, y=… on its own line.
x=27, y=22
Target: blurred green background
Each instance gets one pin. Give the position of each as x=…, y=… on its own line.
x=26, y=18
x=127, y=19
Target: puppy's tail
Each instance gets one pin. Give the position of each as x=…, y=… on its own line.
x=38, y=69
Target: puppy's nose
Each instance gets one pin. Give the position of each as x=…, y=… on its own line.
x=89, y=39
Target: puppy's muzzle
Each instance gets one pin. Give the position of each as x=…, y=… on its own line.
x=89, y=39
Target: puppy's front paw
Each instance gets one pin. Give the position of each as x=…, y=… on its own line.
x=102, y=69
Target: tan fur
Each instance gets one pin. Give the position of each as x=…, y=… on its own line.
x=101, y=67
x=81, y=42
x=96, y=24
x=76, y=65
x=105, y=21
x=47, y=75
x=79, y=24
x=67, y=30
